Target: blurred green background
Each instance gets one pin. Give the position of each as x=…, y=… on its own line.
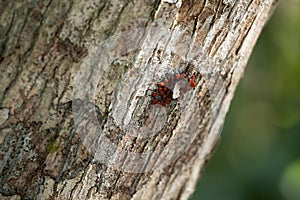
x=258, y=157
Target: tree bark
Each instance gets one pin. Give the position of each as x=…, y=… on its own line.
x=117, y=99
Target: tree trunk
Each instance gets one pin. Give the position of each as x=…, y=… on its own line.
x=117, y=99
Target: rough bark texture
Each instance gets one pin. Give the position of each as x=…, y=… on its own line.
x=76, y=117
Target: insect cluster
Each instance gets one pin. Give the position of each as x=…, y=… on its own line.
x=172, y=88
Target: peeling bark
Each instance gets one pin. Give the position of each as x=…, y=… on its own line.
x=77, y=77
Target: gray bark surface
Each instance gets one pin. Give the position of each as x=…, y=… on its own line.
x=76, y=118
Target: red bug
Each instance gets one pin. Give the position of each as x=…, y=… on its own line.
x=172, y=88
